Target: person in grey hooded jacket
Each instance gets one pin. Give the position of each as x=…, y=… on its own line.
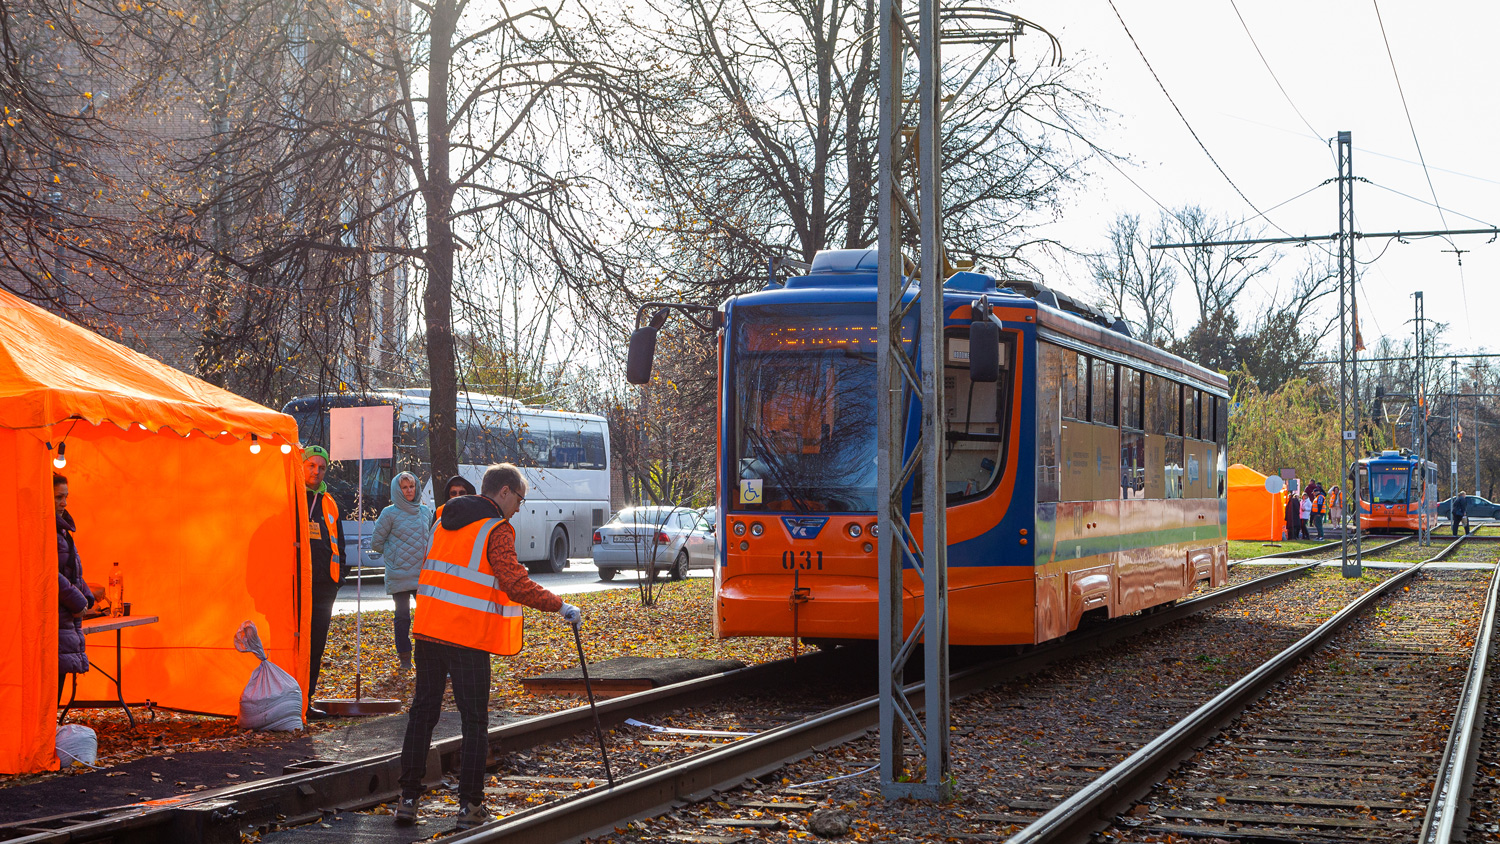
x=400, y=542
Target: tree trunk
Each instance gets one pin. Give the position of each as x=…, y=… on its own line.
x=437, y=299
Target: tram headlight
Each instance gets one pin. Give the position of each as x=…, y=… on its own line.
x=756, y=529
x=739, y=528
x=855, y=530
x=875, y=529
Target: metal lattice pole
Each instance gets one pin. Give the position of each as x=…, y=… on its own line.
x=1419, y=426
x=898, y=374
x=1348, y=349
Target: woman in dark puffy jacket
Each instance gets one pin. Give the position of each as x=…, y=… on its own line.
x=73, y=594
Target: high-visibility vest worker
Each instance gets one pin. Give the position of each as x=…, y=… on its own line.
x=325, y=534
x=469, y=599
x=1318, y=504
x=474, y=612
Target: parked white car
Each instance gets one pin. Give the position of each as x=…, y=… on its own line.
x=667, y=539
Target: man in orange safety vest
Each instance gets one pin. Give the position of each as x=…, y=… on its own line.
x=469, y=600
x=325, y=538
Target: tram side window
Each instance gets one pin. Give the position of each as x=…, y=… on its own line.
x=1051, y=386
x=1131, y=415
x=1102, y=397
x=978, y=423
x=1189, y=412
x=1067, y=381
x=1221, y=422
x=1132, y=439
x=1083, y=387
x=1174, y=467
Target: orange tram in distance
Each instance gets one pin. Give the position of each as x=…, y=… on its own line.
x=1089, y=479
x=1398, y=491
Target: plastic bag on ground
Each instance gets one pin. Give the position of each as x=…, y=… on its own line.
x=76, y=743
x=272, y=700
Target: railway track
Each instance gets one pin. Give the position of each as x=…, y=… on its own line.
x=1330, y=550
x=1359, y=743
x=310, y=796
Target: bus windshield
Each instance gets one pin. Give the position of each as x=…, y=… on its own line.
x=804, y=385
x=1389, y=486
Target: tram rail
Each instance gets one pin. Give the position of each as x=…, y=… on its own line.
x=1101, y=804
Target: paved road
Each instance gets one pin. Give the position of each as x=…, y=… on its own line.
x=579, y=576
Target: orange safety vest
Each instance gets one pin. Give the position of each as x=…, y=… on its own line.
x=1318, y=502
x=326, y=529
x=458, y=601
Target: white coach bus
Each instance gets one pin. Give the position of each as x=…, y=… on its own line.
x=564, y=456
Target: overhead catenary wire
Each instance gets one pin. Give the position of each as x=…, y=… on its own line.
x=1288, y=97
x=1462, y=287
x=1183, y=117
x=1425, y=202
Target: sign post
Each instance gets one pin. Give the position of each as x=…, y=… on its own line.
x=360, y=434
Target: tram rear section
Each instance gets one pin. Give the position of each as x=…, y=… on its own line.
x=1089, y=478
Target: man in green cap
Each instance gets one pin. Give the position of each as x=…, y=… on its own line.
x=325, y=534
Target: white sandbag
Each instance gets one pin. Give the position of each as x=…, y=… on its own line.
x=272, y=700
x=76, y=743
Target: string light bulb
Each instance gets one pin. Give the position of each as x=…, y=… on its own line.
x=61, y=460
x=254, y=444
x=286, y=448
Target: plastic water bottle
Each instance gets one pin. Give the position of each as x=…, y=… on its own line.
x=115, y=592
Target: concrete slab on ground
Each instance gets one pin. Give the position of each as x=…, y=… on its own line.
x=627, y=674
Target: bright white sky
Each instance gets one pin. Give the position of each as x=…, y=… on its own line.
x=1332, y=61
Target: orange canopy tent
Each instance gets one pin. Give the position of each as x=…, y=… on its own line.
x=194, y=491
x=1253, y=512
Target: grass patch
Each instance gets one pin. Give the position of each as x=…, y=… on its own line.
x=1244, y=549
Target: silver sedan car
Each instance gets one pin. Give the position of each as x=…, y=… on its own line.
x=654, y=539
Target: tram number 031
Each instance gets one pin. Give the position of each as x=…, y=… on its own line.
x=802, y=560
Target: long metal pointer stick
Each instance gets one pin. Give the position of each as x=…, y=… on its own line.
x=589, y=687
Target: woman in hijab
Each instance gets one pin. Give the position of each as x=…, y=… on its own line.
x=400, y=542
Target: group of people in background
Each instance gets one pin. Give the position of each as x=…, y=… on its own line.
x=1312, y=506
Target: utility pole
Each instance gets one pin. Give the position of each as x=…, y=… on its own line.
x=897, y=374
x=1349, y=343
x=911, y=202
x=1453, y=433
x=1419, y=425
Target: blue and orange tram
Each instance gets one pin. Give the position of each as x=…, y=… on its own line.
x=1398, y=491
x=1089, y=478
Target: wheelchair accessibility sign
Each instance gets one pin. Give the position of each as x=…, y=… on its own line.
x=750, y=490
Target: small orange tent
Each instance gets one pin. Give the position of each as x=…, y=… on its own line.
x=1253, y=512
x=162, y=480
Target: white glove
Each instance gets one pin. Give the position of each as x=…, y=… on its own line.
x=571, y=614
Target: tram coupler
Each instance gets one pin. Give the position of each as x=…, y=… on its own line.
x=800, y=595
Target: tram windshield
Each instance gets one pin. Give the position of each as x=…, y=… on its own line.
x=1389, y=487
x=804, y=388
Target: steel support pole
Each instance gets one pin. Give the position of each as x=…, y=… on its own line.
x=937, y=782
x=1348, y=349
x=901, y=551
x=1419, y=425
x=891, y=412
x=1453, y=434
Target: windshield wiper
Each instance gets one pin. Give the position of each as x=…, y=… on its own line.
x=773, y=460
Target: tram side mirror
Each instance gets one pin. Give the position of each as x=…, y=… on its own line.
x=984, y=352
x=642, y=350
